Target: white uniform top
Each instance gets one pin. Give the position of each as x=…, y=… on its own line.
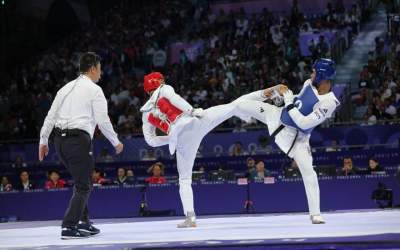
x=80, y=104
x=322, y=110
x=149, y=131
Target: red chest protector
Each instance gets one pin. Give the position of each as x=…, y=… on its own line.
x=170, y=115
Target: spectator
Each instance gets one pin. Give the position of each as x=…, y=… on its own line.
x=98, y=178
x=374, y=166
x=5, y=185
x=130, y=177
x=19, y=163
x=25, y=183
x=159, y=59
x=370, y=117
x=334, y=147
x=390, y=109
x=121, y=177
x=251, y=165
x=183, y=59
x=149, y=155
x=157, y=170
x=322, y=48
x=200, y=174
x=54, y=181
x=378, y=83
x=104, y=156
x=239, y=54
x=259, y=173
x=348, y=168
x=239, y=128
x=237, y=149
x=292, y=171
x=221, y=174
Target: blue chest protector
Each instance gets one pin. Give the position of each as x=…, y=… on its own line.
x=305, y=103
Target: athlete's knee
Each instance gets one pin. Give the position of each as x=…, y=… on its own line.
x=185, y=181
x=306, y=170
x=309, y=174
x=241, y=110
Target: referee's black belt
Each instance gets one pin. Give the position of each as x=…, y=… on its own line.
x=69, y=132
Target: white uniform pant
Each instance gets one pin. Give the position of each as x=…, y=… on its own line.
x=188, y=142
x=301, y=153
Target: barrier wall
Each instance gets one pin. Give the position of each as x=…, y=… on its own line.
x=280, y=195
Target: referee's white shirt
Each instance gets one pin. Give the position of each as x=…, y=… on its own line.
x=80, y=104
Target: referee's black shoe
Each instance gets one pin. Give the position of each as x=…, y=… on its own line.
x=73, y=233
x=88, y=228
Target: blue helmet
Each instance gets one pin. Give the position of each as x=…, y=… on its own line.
x=325, y=69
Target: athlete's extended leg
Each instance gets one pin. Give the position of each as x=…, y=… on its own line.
x=263, y=112
x=214, y=116
x=302, y=156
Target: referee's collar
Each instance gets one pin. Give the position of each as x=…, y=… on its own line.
x=86, y=78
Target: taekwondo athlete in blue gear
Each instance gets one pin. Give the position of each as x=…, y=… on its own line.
x=291, y=125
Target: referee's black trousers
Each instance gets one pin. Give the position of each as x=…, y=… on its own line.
x=74, y=148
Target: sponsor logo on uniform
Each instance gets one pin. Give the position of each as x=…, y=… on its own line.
x=261, y=110
x=323, y=111
x=317, y=114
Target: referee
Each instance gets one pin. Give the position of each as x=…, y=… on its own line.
x=76, y=110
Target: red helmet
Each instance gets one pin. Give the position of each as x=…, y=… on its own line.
x=152, y=81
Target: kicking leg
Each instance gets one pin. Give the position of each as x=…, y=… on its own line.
x=214, y=116
x=302, y=156
x=263, y=112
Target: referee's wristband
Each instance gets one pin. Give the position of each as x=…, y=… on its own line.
x=290, y=106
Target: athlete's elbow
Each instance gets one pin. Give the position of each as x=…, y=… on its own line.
x=302, y=124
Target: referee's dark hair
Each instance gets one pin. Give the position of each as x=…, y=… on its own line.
x=87, y=61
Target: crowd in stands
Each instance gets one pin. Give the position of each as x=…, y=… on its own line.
x=378, y=95
x=242, y=53
x=255, y=170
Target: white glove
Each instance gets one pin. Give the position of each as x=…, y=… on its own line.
x=197, y=112
x=288, y=97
